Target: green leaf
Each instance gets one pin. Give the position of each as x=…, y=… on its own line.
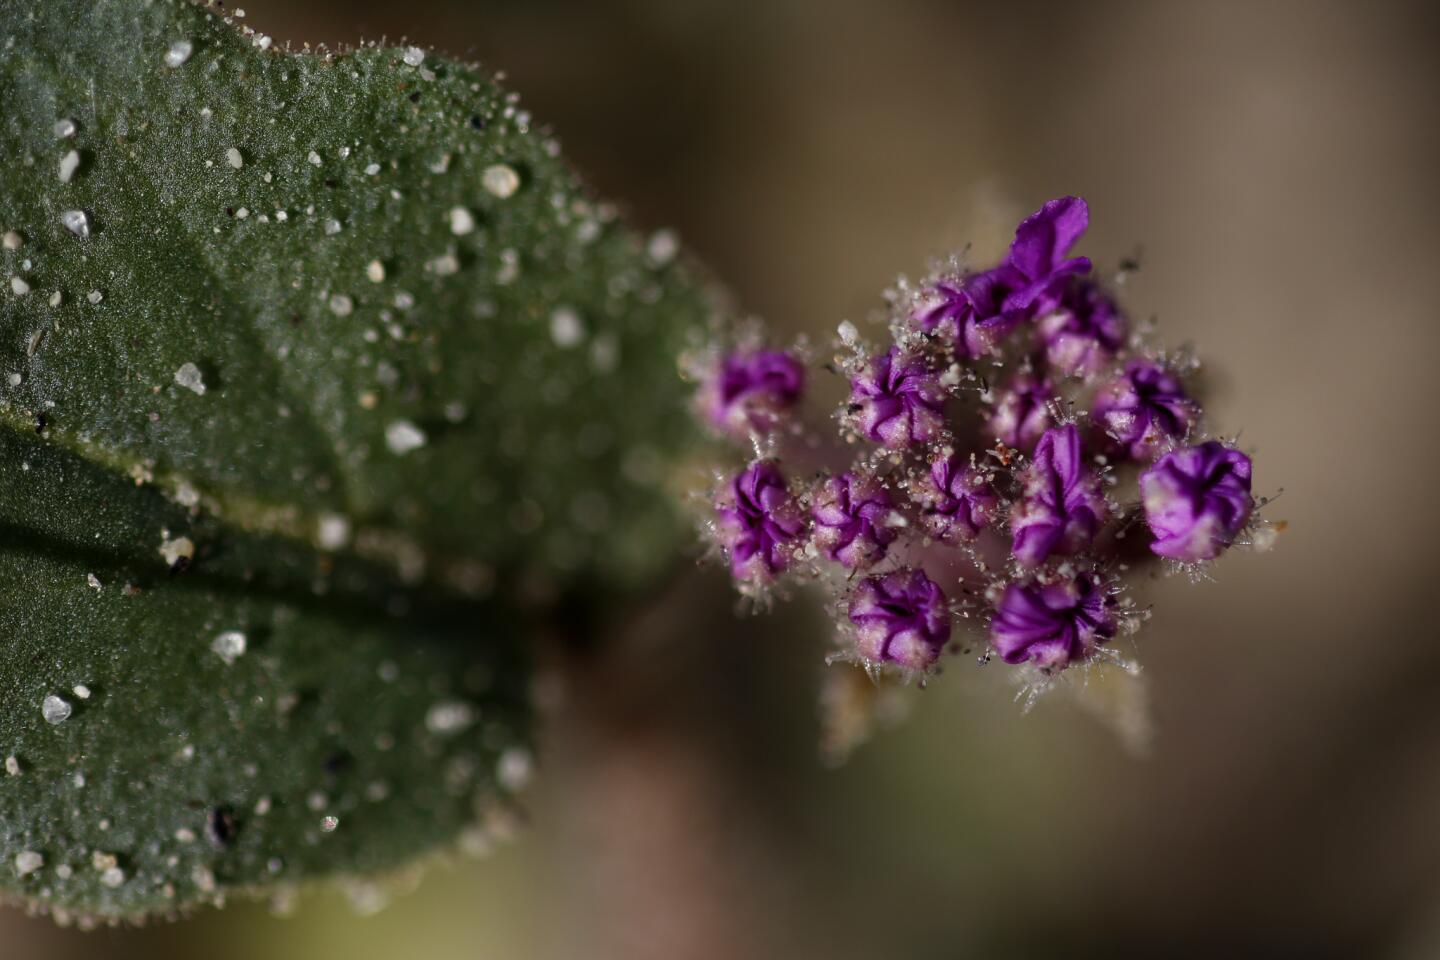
x=328, y=351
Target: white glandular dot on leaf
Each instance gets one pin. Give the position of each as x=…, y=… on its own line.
x=402, y=436
x=178, y=53
x=229, y=646
x=77, y=222
x=189, y=377
x=566, y=327
x=500, y=180
x=462, y=221
x=68, y=165
x=55, y=710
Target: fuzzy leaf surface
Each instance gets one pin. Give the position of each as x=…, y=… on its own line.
x=348, y=327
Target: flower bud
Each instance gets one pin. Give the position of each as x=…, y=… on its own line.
x=1022, y=412
x=897, y=400
x=900, y=618
x=751, y=391
x=1196, y=500
x=1053, y=624
x=957, y=501
x=970, y=312
x=1083, y=332
x=758, y=522
x=1145, y=408
x=1061, y=506
x=852, y=520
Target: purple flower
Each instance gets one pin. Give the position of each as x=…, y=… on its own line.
x=1084, y=331
x=1039, y=254
x=897, y=400
x=1061, y=507
x=852, y=515
x=1144, y=408
x=1053, y=625
x=971, y=311
x=758, y=522
x=957, y=501
x=1022, y=414
x=751, y=391
x=979, y=310
x=900, y=618
x=1196, y=500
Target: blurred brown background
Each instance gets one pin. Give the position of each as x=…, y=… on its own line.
x=1278, y=160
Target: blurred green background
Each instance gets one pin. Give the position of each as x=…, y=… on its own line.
x=1278, y=162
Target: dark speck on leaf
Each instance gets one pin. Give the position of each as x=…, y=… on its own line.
x=415, y=97
x=220, y=827
x=477, y=122
x=336, y=762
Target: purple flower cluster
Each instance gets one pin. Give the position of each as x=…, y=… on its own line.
x=1013, y=437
